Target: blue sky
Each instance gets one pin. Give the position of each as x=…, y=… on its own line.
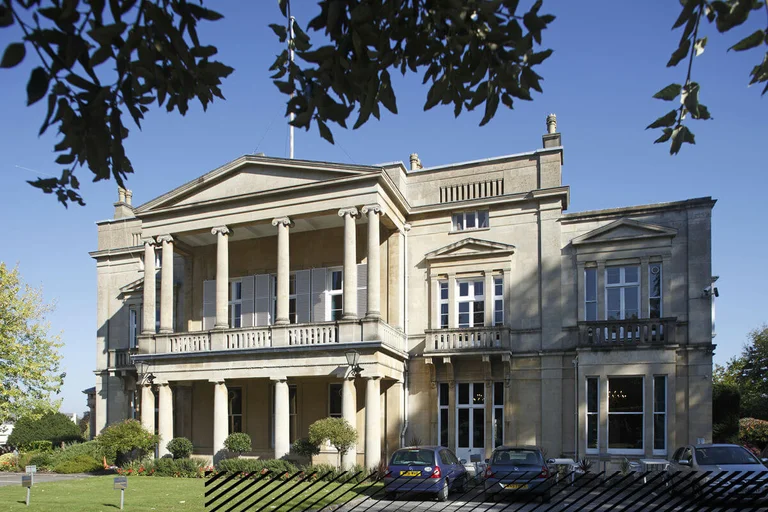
x=609, y=59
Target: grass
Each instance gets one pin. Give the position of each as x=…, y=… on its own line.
x=156, y=493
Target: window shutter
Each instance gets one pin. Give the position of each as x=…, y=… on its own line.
x=209, y=304
x=303, y=296
x=247, y=307
x=262, y=299
x=362, y=289
x=318, y=294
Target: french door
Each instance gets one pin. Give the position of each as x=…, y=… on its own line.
x=470, y=420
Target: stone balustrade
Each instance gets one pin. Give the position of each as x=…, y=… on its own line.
x=463, y=339
x=313, y=334
x=257, y=337
x=120, y=358
x=609, y=333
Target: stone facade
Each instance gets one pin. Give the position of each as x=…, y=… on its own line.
x=480, y=311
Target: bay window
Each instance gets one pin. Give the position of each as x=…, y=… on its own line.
x=625, y=415
x=471, y=303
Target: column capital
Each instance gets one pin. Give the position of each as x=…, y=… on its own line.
x=165, y=239
x=278, y=379
x=406, y=227
x=217, y=381
x=282, y=221
x=372, y=377
x=148, y=241
x=351, y=211
x=372, y=208
x=224, y=230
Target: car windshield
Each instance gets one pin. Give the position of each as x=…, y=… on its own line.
x=721, y=455
x=516, y=457
x=416, y=457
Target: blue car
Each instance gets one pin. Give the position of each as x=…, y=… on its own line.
x=425, y=469
x=517, y=470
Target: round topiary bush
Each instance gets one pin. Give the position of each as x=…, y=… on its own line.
x=336, y=431
x=54, y=427
x=180, y=447
x=238, y=442
x=126, y=441
x=304, y=448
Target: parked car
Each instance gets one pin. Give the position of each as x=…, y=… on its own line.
x=517, y=469
x=425, y=469
x=722, y=460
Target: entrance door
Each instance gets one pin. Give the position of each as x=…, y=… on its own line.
x=470, y=420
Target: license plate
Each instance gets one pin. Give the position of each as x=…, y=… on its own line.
x=410, y=473
x=516, y=486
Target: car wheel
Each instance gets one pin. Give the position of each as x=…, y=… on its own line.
x=391, y=496
x=464, y=485
x=546, y=497
x=442, y=495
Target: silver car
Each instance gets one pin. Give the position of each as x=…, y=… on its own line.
x=723, y=460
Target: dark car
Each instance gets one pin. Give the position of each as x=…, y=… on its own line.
x=518, y=470
x=430, y=469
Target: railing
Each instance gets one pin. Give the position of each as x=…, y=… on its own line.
x=392, y=336
x=476, y=338
x=258, y=337
x=313, y=334
x=189, y=342
x=121, y=357
x=628, y=332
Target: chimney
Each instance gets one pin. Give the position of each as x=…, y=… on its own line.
x=415, y=162
x=123, y=208
x=552, y=138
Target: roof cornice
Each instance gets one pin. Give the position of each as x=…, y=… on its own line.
x=699, y=202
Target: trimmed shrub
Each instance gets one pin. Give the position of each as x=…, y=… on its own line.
x=328, y=472
x=238, y=442
x=180, y=447
x=753, y=432
x=125, y=441
x=40, y=446
x=337, y=431
x=180, y=468
x=276, y=466
x=54, y=427
x=304, y=448
x=79, y=464
x=90, y=448
x=42, y=460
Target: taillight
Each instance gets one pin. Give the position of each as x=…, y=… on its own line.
x=436, y=473
x=488, y=472
x=544, y=472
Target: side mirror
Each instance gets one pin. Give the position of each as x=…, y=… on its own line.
x=551, y=461
x=487, y=461
x=764, y=460
x=463, y=461
x=684, y=462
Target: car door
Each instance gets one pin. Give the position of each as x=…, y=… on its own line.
x=461, y=471
x=446, y=465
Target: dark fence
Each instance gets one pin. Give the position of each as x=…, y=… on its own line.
x=617, y=492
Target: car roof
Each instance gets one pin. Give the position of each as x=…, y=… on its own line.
x=421, y=448
x=716, y=445
x=521, y=447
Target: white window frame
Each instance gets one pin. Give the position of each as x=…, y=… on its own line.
x=459, y=220
x=230, y=415
x=592, y=270
x=443, y=286
x=440, y=408
x=661, y=451
x=133, y=326
x=623, y=451
x=589, y=413
x=496, y=407
x=330, y=293
x=498, y=297
x=660, y=297
x=622, y=284
x=472, y=298
x=234, y=320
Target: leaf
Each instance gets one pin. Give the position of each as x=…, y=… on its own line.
x=65, y=159
x=748, y=42
x=386, y=94
x=491, y=104
x=325, y=132
x=538, y=58
x=667, y=119
x=665, y=137
x=13, y=55
x=699, y=45
x=679, y=54
x=280, y=31
x=680, y=135
x=686, y=13
x=37, y=85
x=80, y=82
x=6, y=17
x=669, y=93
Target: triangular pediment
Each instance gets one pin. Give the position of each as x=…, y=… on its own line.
x=251, y=175
x=471, y=248
x=624, y=230
x=132, y=287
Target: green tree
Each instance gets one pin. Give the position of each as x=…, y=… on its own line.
x=748, y=373
x=53, y=427
x=97, y=60
x=29, y=357
x=336, y=431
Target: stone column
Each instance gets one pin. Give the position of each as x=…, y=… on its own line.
x=164, y=417
x=222, y=276
x=148, y=317
x=166, y=284
x=350, y=263
x=220, y=416
x=148, y=407
x=349, y=413
x=372, y=421
x=374, y=266
x=282, y=419
x=283, y=270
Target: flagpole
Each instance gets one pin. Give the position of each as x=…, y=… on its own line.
x=291, y=116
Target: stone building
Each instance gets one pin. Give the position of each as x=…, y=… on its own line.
x=481, y=313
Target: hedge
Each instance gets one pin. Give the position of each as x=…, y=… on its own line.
x=54, y=427
x=79, y=464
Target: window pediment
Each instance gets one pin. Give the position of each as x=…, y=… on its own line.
x=471, y=248
x=624, y=230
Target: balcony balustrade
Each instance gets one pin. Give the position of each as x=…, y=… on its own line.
x=120, y=358
x=643, y=331
x=464, y=339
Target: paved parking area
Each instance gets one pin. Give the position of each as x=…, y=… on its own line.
x=7, y=479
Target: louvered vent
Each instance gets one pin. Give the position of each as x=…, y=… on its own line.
x=467, y=191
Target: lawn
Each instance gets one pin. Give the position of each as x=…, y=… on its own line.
x=156, y=493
